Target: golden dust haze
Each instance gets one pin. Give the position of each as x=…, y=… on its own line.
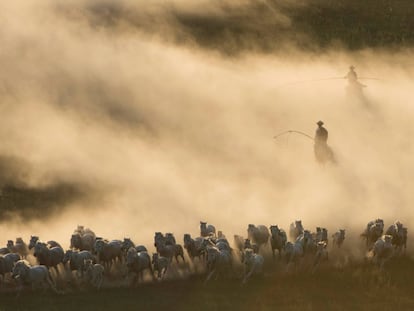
x=163, y=134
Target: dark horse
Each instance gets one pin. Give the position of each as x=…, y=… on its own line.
x=354, y=93
x=323, y=153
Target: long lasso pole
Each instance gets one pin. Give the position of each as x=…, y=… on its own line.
x=293, y=131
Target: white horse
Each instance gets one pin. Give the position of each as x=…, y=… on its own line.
x=127, y=243
x=7, y=263
x=396, y=230
x=383, y=250
x=373, y=232
x=338, y=238
x=94, y=273
x=293, y=253
x=207, y=230
x=160, y=265
x=50, y=257
x=167, y=247
x=108, y=252
x=258, y=235
x=77, y=260
x=83, y=242
x=34, y=239
x=137, y=263
x=223, y=245
x=321, y=255
x=308, y=242
x=239, y=242
x=35, y=276
x=19, y=247
x=253, y=264
x=278, y=240
x=295, y=229
x=218, y=262
x=321, y=235
x=195, y=247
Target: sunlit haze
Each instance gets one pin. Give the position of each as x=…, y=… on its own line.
x=154, y=131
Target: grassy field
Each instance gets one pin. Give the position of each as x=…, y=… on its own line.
x=355, y=286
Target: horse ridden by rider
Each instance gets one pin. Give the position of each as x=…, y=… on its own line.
x=354, y=87
x=323, y=153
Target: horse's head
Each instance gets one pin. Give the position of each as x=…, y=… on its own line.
x=68, y=256
x=387, y=238
x=20, y=269
x=10, y=244
x=247, y=243
x=132, y=255
x=99, y=245
x=40, y=248
x=248, y=255
x=76, y=241
x=80, y=229
x=380, y=222
x=187, y=238
x=126, y=244
x=158, y=238
x=33, y=240
x=251, y=229
x=377, y=227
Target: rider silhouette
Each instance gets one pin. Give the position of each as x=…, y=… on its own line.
x=352, y=77
x=321, y=134
x=323, y=152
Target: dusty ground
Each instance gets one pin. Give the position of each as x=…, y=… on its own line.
x=356, y=285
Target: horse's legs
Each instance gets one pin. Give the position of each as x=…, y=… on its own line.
x=210, y=275
x=99, y=282
x=152, y=272
x=134, y=280
x=57, y=270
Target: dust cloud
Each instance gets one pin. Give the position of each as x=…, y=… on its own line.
x=157, y=132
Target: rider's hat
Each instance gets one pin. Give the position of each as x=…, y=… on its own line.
x=320, y=123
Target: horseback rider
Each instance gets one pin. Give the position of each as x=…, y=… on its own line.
x=353, y=77
x=322, y=151
x=321, y=135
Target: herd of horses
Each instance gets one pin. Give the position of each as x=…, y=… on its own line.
x=90, y=259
